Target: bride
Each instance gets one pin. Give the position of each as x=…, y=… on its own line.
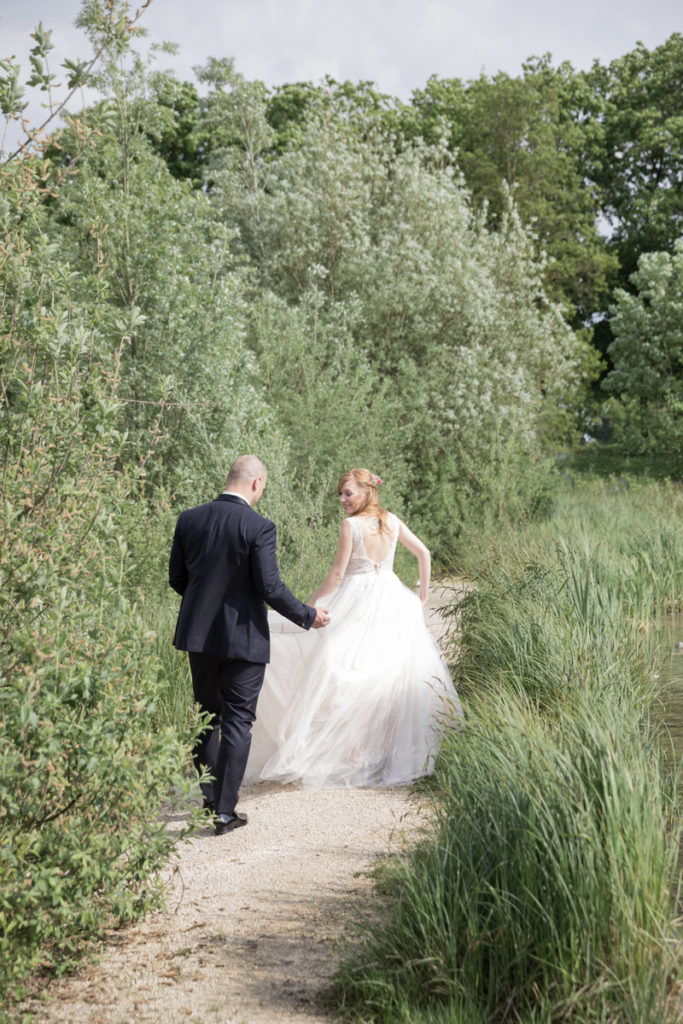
x=364, y=701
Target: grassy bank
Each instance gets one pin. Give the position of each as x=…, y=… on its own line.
x=547, y=889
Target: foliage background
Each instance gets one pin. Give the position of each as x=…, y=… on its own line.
x=327, y=277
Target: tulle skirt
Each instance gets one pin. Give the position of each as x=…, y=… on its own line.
x=362, y=702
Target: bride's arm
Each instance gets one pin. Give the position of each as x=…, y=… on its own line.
x=341, y=560
x=424, y=560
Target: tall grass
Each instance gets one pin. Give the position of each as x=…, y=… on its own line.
x=547, y=889
x=176, y=701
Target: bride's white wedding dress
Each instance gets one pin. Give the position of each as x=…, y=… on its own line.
x=364, y=701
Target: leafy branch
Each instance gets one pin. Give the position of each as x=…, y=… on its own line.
x=116, y=28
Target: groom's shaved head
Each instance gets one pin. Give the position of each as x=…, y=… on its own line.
x=245, y=469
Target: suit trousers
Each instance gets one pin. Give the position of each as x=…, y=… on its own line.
x=228, y=689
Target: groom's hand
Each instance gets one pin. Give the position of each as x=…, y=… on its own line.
x=322, y=618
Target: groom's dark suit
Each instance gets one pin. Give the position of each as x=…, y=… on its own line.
x=223, y=563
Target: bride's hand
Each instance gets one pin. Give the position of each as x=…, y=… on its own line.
x=322, y=618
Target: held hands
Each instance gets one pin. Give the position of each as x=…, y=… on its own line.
x=322, y=618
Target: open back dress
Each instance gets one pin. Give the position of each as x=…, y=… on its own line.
x=364, y=701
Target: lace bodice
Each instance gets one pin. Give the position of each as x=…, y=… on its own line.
x=381, y=546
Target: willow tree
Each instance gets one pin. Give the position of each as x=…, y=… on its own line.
x=450, y=315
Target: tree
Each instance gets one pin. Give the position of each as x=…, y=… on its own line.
x=647, y=353
x=520, y=133
x=163, y=286
x=367, y=110
x=632, y=117
x=174, y=110
x=449, y=316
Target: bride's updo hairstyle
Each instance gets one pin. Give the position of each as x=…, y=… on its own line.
x=368, y=483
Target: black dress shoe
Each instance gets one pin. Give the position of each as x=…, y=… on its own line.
x=229, y=822
x=209, y=805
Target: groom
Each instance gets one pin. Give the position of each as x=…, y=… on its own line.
x=223, y=564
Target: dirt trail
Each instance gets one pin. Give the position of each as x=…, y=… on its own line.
x=252, y=932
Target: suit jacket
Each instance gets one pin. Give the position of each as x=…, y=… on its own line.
x=223, y=563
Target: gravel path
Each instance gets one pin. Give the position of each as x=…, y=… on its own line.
x=254, y=919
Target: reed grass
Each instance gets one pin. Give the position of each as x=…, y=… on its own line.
x=548, y=888
x=175, y=705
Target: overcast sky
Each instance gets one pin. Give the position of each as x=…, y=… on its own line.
x=397, y=44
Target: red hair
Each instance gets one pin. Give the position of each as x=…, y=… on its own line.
x=368, y=483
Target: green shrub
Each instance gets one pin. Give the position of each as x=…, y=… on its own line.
x=84, y=760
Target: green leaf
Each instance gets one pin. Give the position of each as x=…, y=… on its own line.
x=43, y=38
x=76, y=70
